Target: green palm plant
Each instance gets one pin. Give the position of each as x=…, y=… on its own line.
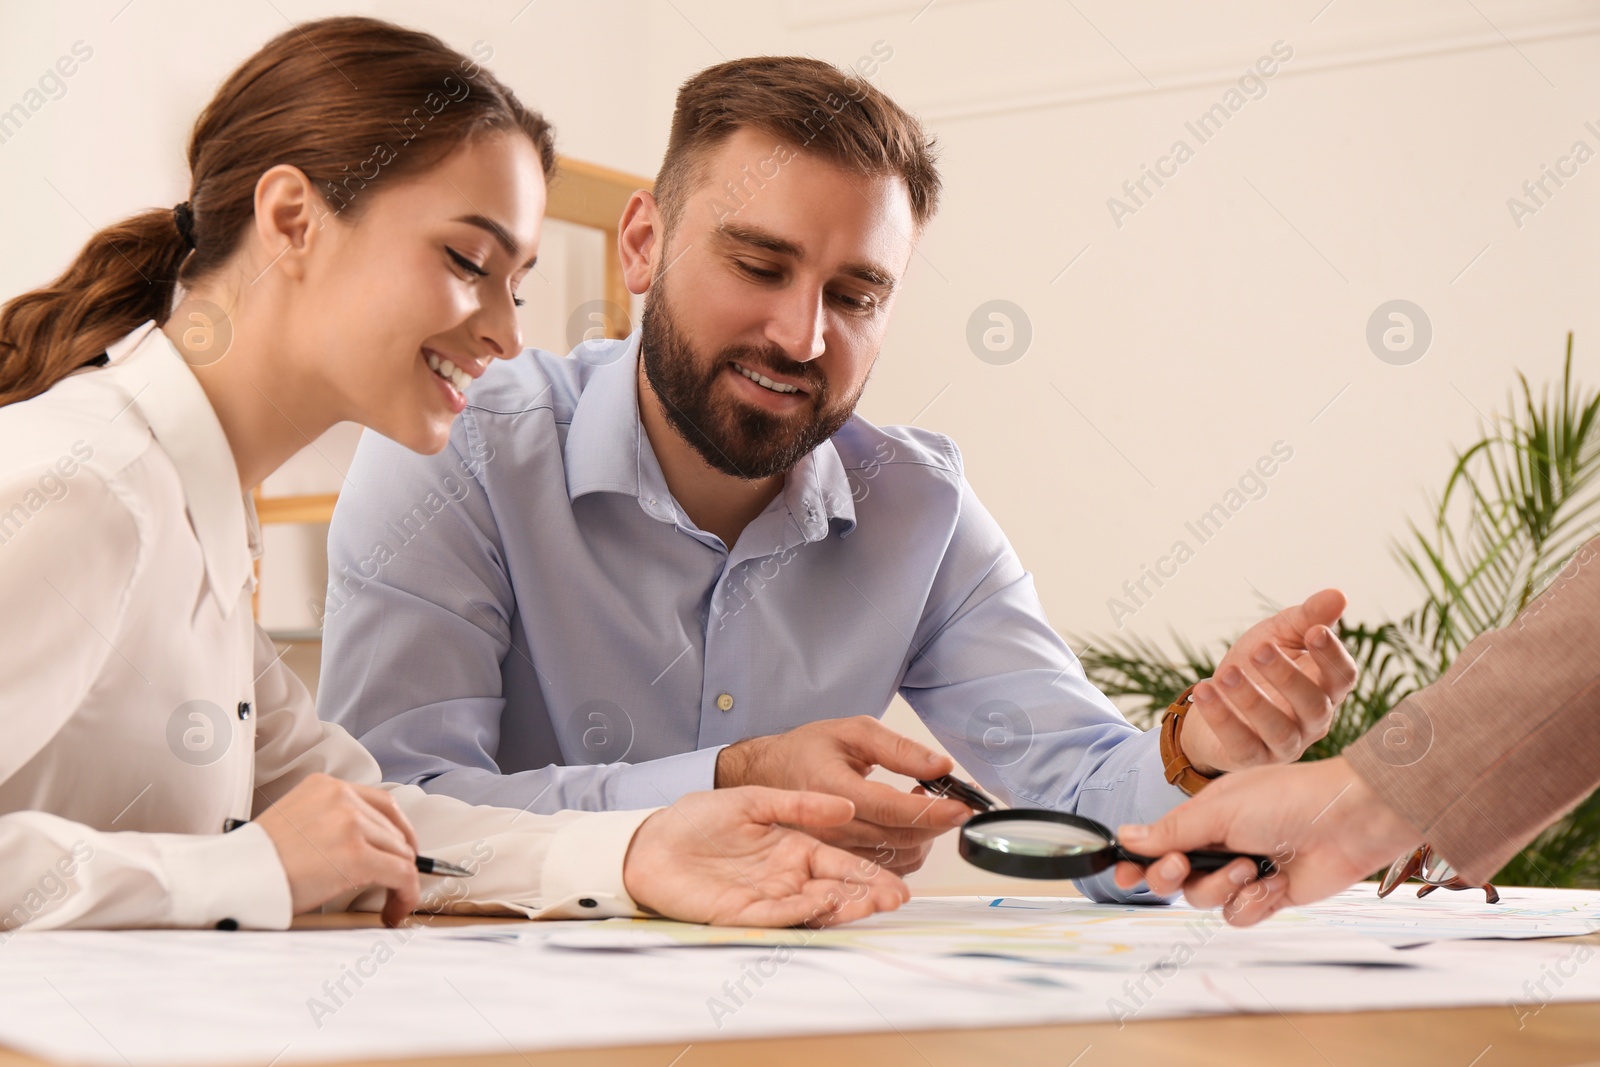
x=1526, y=503
x=1518, y=503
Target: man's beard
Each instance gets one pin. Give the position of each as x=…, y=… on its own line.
x=733, y=437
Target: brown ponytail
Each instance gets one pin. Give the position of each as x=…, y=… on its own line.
x=353, y=102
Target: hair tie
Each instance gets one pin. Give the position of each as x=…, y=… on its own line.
x=183, y=216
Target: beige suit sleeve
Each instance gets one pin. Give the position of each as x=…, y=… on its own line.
x=566, y=865
x=1508, y=740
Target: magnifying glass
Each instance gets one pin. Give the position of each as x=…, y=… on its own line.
x=1038, y=843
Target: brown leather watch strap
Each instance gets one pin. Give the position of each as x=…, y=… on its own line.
x=1180, y=772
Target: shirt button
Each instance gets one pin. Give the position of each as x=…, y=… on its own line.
x=587, y=902
x=725, y=702
x=244, y=709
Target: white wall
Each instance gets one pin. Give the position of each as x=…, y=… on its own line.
x=1227, y=313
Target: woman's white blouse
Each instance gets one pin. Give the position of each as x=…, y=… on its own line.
x=141, y=707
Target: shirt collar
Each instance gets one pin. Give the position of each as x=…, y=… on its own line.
x=184, y=424
x=609, y=451
x=607, y=448
x=818, y=492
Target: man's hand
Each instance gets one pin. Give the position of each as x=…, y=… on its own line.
x=721, y=858
x=1275, y=691
x=892, y=828
x=1319, y=821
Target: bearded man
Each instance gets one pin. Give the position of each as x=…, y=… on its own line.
x=681, y=561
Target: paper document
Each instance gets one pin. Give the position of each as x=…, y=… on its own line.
x=188, y=997
x=1450, y=915
x=1064, y=933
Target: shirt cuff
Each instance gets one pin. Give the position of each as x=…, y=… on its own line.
x=236, y=876
x=659, y=782
x=1154, y=796
x=582, y=876
x=1139, y=793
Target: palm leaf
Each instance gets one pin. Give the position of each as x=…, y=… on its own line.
x=1517, y=504
x=1131, y=667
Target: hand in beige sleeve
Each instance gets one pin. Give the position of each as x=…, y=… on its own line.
x=1319, y=821
x=1508, y=740
x=1477, y=764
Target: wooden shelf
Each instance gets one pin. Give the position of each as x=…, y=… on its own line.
x=312, y=507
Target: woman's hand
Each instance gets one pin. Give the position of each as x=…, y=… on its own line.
x=1320, y=822
x=721, y=858
x=334, y=837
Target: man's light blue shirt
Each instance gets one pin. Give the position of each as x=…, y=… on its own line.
x=529, y=620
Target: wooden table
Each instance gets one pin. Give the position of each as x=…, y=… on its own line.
x=1561, y=1035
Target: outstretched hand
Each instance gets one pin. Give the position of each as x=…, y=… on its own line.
x=723, y=858
x=1274, y=693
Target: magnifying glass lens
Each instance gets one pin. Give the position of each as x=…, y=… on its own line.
x=1035, y=843
x=1031, y=837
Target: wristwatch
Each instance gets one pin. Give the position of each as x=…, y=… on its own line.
x=1180, y=772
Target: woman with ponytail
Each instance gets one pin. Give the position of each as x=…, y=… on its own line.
x=363, y=203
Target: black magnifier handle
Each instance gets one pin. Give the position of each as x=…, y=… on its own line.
x=1204, y=861
x=948, y=785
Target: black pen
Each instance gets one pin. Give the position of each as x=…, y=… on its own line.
x=425, y=864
